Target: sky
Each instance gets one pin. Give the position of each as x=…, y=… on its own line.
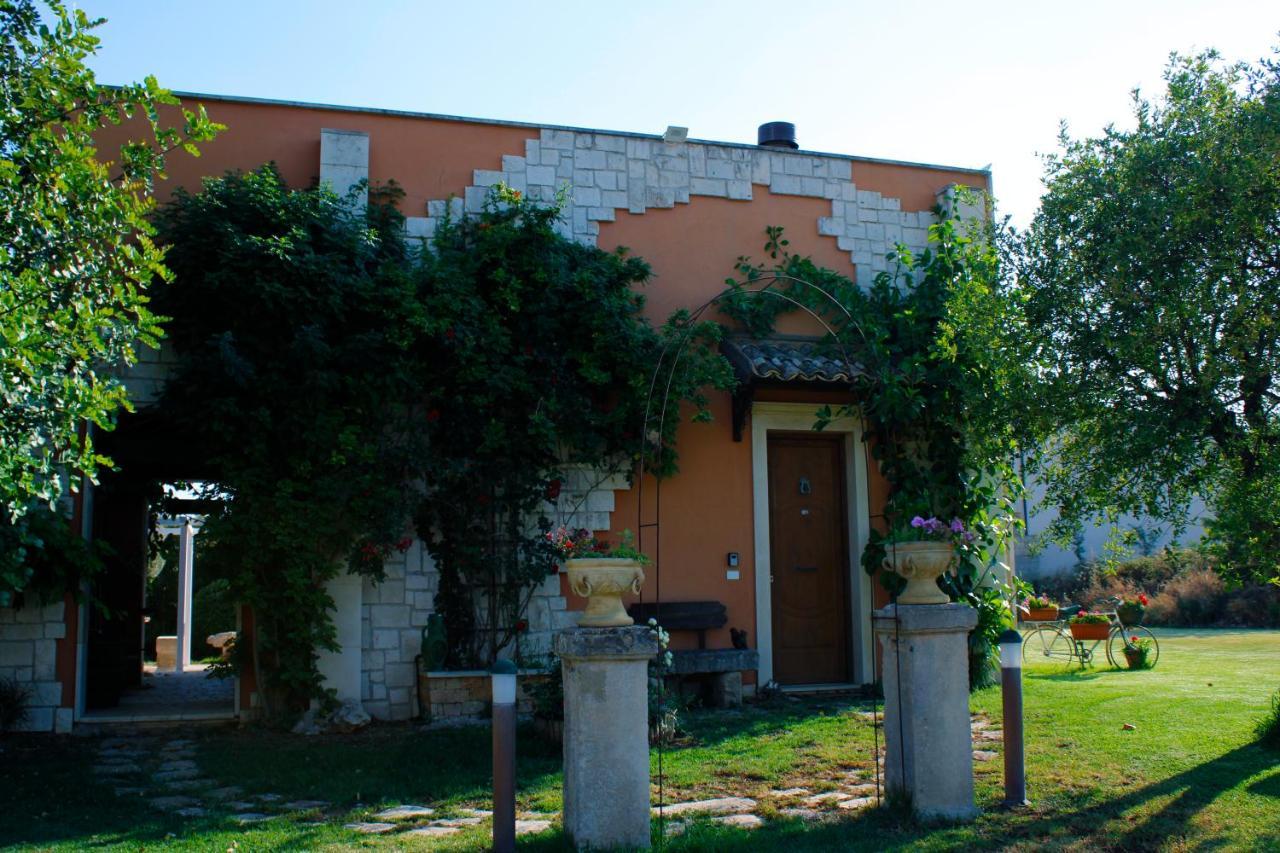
x=961, y=84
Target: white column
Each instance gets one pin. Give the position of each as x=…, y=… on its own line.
x=186, y=572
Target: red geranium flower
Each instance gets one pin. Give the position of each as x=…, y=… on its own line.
x=1143, y=598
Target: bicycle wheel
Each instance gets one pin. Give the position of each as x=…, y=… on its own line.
x=1048, y=645
x=1118, y=638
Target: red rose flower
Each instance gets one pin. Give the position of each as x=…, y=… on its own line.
x=553, y=490
x=1143, y=599
x=522, y=626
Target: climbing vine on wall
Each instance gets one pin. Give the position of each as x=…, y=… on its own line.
x=936, y=340
x=341, y=387
x=539, y=361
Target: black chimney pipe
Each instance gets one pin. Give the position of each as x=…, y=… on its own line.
x=778, y=134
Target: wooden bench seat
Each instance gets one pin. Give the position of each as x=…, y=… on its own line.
x=724, y=666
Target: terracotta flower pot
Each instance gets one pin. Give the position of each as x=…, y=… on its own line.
x=921, y=563
x=603, y=582
x=1042, y=614
x=1090, y=630
x=1134, y=658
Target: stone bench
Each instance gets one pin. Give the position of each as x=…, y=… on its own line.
x=724, y=666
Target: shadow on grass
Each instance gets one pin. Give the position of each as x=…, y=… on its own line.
x=49, y=794
x=1191, y=792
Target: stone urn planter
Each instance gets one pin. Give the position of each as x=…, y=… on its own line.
x=921, y=563
x=602, y=581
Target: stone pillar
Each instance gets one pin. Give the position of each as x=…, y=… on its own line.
x=606, y=735
x=928, y=740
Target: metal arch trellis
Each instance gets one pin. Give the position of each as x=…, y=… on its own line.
x=738, y=288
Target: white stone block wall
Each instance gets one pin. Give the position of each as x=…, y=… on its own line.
x=394, y=612
x=28, y=653
x=605, y=173
x=344, y=161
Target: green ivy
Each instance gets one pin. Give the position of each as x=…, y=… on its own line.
x=936, y=343
x=338, y=384
x=538, y=360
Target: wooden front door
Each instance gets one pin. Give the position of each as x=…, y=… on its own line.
x=808, y=549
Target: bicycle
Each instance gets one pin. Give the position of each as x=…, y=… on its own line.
x=1048, y=642
x=1051, y=642
x=1120, y=635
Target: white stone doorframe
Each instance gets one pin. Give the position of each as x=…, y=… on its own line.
x=800, y=417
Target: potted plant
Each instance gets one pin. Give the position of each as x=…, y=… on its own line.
x=1131, y=610
x=922, y=554
x=1090, y=625
x=600, y=574
x=1039, y=608
x=1137, y=653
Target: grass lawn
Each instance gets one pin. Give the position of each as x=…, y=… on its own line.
x=1185, y=778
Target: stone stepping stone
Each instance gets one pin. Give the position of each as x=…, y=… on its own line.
x=121, y=753
x=991, y=734
x=177, y=764
x=250, y=817
x=119, y=768
x=242, y=806
x=802, y=814
x=434, y=831
x=983, y=755
x=863, y=790
x=527, y=827
x=458, y=821
x=180, y=743
x=175, y=775
x=478, y=812
x=789, y=792
x=721, y=805
x=407, y=812
x=225, y=793
x=857, y=803
x=188, y=784
x=306, y=805
x=268, y=798
x=192, y=811
x=826, y=797
x=741, y=821
x=172, y=803
x=123, y=791
x=371, y=828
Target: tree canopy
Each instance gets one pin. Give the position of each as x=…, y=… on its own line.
x=76, y=258
x=1152, y=278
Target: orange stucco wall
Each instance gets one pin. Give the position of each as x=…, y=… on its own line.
x=707, y=509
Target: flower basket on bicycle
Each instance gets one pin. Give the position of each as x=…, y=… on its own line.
x=1039, y=608
x=1090, y=626
x=1131, y=611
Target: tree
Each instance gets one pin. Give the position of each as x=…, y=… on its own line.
x=1152, y=278
x=75, y=258
x=294, y=323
